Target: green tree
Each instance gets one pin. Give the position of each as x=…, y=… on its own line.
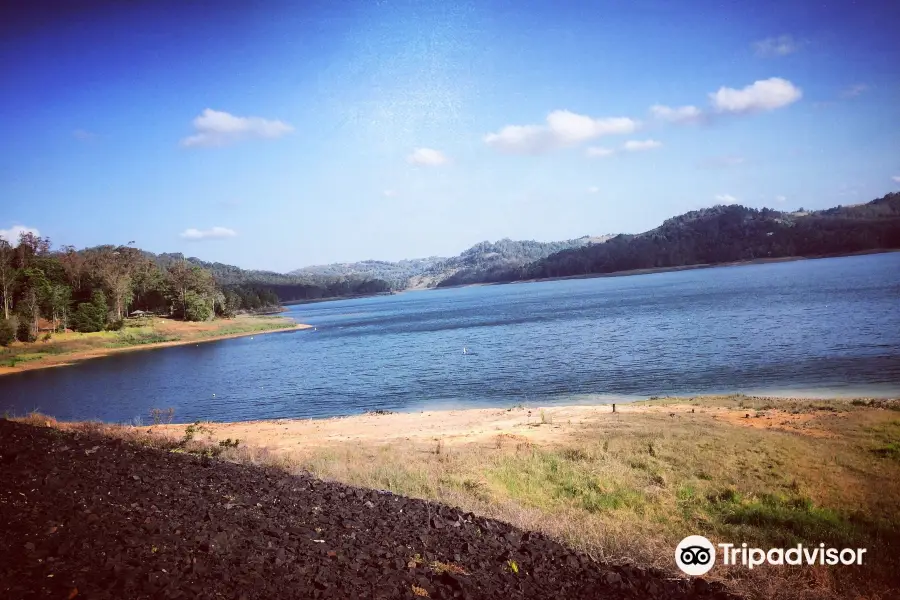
x=36, y=289
x=197, y=307
x=7, y=332
x=184, y=279
x=8, y=273
x=115, y=266
x=59, y=301
x=91, y=316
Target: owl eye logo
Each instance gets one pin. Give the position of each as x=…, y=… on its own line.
x=695, y=555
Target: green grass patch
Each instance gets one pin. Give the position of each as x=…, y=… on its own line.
x=248, y=328
x=139, y=337
x=25, y=357
x=889, y=450
x=782, y=519
x=544, y=478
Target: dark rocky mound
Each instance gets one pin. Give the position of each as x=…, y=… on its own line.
x=83, y=516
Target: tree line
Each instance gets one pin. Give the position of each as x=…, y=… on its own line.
x=716, y=235
x=96, y=288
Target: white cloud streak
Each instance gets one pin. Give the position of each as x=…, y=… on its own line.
x=854, y=90
x=427, y=157
x=641, y=145
x=678, y=114
x=11, y=235
x=781, y=45
x=780, y=199
x=564, y=128
x=215, y=233
x=726, y=199
x=217, y=128
x=598, y=152
x=896, y=178
x=593, y=189
x=762, y=95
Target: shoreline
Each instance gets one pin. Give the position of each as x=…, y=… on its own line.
x=623, y=486
x=465, y=426
x=62, y=360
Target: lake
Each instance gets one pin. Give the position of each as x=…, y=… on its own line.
x=827, y=327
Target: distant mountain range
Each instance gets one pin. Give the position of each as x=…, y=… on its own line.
x=480, y=260
x=717, y=235
x=724, y=234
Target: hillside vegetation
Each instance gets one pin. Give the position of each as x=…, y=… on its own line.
x=482, y=259
x=722, y=234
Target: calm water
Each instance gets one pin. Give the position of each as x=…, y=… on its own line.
x=818, y=327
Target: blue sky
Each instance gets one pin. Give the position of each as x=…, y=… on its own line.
x=282, y=134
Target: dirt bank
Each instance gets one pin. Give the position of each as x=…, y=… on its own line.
x=65, y=349
x=536, y=425
x=82, y=515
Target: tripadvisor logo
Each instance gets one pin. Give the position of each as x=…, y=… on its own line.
x=696, y=555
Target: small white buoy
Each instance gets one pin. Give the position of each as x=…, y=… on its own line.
x=214, y=395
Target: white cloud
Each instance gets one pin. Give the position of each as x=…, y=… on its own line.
x=726, y=199
x=521, y=139
x=427, y=157
x=896, y=178
x=776, y=46
x=598, y=152
x=216, y=128
x=563, y=128
x=572, y=128
x=216, y=233
x=641, y=145
x=780, y=199
x=765, y=94
x=854, y=90
x=11, y=235
x=389, y=193
x=593, y=189
x=678, y=114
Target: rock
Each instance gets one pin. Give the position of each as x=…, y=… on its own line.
x=239, y=531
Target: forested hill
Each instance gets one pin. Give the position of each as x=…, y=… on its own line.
x=288, y=287
x=397, y=274
x=724, y=234
x=478, y=262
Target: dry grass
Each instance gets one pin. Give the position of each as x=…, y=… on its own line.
x=629, y=486
x=632, y=486
x=62, y=348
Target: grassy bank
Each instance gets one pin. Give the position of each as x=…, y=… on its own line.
x=151, y=332
x=629, y=486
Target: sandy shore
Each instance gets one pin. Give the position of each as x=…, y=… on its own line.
x=62, y=360
x=535, y=425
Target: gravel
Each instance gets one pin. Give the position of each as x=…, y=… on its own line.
x=84, y=516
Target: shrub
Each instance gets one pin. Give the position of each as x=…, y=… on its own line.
x=25, y=332
x=197, y=308
x=161, y=416
x=115, y=325
x=91, y=316
x=7, y=332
